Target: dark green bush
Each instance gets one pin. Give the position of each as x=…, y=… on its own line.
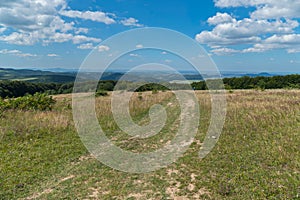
x=154, y=91
x=101, y=93
x=28, y=102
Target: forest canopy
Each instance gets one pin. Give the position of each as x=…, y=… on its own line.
x=10, y=89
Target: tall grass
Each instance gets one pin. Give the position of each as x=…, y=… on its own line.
x=257, y=156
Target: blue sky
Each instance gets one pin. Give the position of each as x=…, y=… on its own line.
x=239, y=35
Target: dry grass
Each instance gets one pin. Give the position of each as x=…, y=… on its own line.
x=24, y=121
x=257, y=156
x=139, y=102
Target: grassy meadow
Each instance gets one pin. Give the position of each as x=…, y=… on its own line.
x=257, y=156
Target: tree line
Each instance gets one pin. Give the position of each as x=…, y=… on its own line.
x=246, y=82
x=10, y=89
x=13, y=89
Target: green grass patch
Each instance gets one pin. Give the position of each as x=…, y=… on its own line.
x=257, y=156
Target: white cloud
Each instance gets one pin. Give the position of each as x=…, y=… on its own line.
x=139, y=46
x=102, y=48
x=267, y=9
x=245, y=31
x=82, y=30
x=294, y=62
x=131, y=22
x=290, y=9
x=52, y=55
x=220, y=18
x=29, y=15
x=290, y=39
x=272, y=25
x=164, y=53
x=16, y=53
x=216, y=39
x=89, y=15
x=26, y=55
x=77, y=39
x=40, y=21
x=30, y=38
x=60, y=25
x=294, y=50
x=60, y=37
x=6, y=51
x=237, y=3
x=290, y=42
x=21, y=38
x=134, y=55
x=255, y=49
x=86, y=46
x=2, y=29
x=224, y=51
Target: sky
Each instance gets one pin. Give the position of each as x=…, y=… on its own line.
x=239, y=35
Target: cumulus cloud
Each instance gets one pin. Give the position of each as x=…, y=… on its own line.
x=38, y=21
x=41, y=21
x=284, y=39
x=131, y=22
x=294, y=50
x=29, y=15
x=266, y=8
x=270, y=26
x=216, y=39
x=16, y=52
x=82, y=30
x=77, y=39
x=220, y=18
x=287, y=9
x=89, y=15
x=2, y=29
x=134, y=55
x=139, y=46
x=238, y=3
x=21, y=38
x=229, y=51
x=52, y=55
x=290, y=42
x=86, y=46
x=102, y=48
x=224, y=51
x=245, y=31
x=6, y=51
x=26, y=55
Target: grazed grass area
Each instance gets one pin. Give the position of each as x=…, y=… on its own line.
x=257, y=156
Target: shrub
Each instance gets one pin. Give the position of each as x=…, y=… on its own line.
x=28, y=102
x=154, y=91
x=101, y=93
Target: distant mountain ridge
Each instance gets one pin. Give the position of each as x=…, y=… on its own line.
x=60, y=75
x=35, y=75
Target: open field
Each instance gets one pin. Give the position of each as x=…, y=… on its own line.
x=257, y=156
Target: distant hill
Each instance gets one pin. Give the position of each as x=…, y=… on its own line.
x=60, y=75
x=56, y=76
x=36, y=75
